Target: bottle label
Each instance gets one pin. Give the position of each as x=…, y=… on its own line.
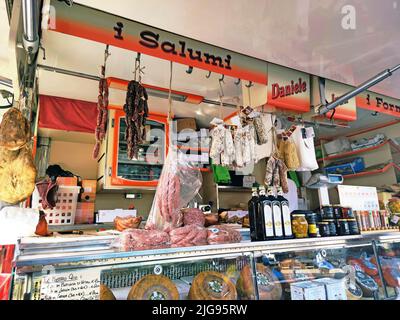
x=287, y=223
x=278, y=221
x=269, y=227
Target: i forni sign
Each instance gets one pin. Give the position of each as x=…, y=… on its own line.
x=88, y=23
x=333, y=90
x=288, y=89
x=376, y=102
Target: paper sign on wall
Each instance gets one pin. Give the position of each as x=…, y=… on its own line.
x=359, y=198
x=76, y=285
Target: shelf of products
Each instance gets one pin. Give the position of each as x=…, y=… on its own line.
x=373, y=171
x=359, y=151
x=279, y=266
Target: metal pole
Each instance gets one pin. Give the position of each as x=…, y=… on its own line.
x=364, y=86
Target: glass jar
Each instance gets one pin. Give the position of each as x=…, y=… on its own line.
x=311, y=218
x=332, y=227
x=353, y=226
x=337, y=212
x=299, y=226
x=327, y=212
x=343, y=227
x=348, y=213
x=324, y=229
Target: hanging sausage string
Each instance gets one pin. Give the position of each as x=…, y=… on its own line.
x=102, y=106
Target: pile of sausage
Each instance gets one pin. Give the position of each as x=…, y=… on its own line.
x=136, y=110
x=102, y=115
x=139, y=239
x=188, y=236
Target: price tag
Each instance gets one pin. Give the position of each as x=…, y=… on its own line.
x=74, y=285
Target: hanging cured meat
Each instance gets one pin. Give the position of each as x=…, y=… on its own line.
x=102, y=115
x=17, y=175
x=136, y=110
x=14, y=130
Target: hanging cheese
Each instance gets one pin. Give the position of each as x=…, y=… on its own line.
x=14, y=130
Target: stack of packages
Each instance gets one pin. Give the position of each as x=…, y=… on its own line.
x=168, y=225
x=85, y=208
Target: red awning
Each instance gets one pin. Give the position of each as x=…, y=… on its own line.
x=67, y=114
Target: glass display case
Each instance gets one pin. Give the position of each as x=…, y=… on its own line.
x=337, y=268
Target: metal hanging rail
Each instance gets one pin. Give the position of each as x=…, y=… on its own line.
x=362, y=87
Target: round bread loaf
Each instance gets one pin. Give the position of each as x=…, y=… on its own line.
x=106, y=293
x=154, y=287
x=269, y=287
x=210, y=285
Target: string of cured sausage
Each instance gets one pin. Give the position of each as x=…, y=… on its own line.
x=136, y=111
x=102, y=108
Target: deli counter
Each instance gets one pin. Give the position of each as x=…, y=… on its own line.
x=88, y=267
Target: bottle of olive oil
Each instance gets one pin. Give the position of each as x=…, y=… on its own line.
x=254, y=234
x=286, y=216
x=276, y=213
x=265, y=220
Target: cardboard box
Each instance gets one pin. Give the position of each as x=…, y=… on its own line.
x=334, y=288
x=84, y=213
x=89, y=193
x=67, y=181
x=307, y=290
x=188, y=123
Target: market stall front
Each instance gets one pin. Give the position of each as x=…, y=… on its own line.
x=165, y=168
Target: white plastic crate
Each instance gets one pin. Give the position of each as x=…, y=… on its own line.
x=64, y=211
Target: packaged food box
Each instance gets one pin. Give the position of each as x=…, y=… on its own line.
x=89, y=190
x=84, y=213
x=307, y=290
x=346, y=167
x=334, y=288
x=107, y=216
x=67, y=181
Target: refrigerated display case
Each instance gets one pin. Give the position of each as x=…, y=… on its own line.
x=275, y=270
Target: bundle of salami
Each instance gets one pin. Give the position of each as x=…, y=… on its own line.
x=102, y=108
x=139, y=239
x=188, y=236
x=179, y=183
x=222, y=234
x=136, y=110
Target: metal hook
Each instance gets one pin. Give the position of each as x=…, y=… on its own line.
x=209, y=75
x=189, y=70
x=238, y=82
x=250, y=84
x=222, y=78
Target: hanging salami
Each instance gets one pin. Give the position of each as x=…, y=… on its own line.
x=136, y=110
x=102, y=115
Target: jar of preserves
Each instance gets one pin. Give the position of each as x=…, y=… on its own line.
x=332, y=227
x=327, y=212
x=347, y=213
x=324, y=229
x=353, y=226
x=299, y=226
x=311, y=218
x=337, y=212
x=343, y=227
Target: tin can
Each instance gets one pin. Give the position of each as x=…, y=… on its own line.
x=347, y=213
x=332, y=227
x=353, y=226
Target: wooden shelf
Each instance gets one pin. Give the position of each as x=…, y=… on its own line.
x=373, y=172
x=354, y=152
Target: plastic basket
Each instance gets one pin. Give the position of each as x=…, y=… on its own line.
x=65, y=209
